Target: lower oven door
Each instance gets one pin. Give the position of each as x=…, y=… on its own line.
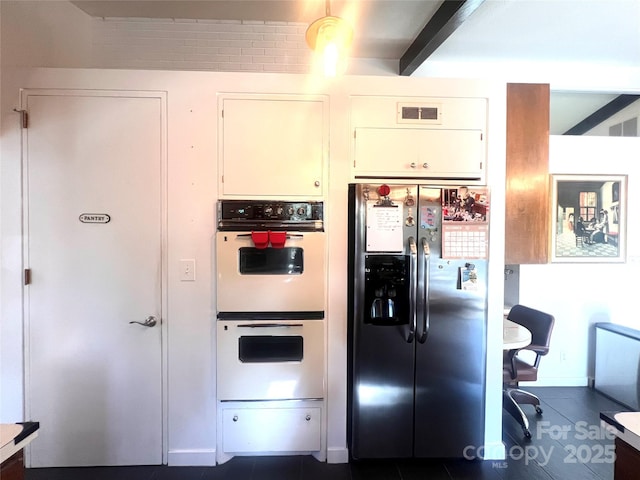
x=278, y=360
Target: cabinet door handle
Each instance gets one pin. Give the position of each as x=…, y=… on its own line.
x=412, y=164
x=307, y=418
x=235, y=418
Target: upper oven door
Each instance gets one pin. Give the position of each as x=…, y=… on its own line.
x=288, y=279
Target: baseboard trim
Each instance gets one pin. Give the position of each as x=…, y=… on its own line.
x=191, y=458
x=337, y=455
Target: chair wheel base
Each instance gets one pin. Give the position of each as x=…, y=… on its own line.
x=526, y=432
x=538, y=410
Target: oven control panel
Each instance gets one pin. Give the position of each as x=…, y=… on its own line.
x=264, y=215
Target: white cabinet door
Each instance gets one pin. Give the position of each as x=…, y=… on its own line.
x=419, y=153
x=273, y=147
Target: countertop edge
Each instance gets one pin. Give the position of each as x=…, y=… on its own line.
x=609, y=422
x=27, y=434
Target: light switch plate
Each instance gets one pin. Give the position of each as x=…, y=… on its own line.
x=187, y=270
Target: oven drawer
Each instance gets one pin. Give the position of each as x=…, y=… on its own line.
x=278, y=360
x=271, y=430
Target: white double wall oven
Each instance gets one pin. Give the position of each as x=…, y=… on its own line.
x=270, y=262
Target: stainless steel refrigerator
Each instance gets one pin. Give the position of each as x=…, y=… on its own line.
x=417, y=324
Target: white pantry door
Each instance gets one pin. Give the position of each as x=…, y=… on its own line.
x=93, y=237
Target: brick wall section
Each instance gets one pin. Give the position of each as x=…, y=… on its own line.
x=215, y=45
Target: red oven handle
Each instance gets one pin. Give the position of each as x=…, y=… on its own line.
x=289, y=235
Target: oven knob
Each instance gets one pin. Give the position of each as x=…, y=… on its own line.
x=268, y=211
x=279, y=211
x=290, y=211
x=302, y=211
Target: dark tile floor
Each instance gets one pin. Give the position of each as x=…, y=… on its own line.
x=566, y=444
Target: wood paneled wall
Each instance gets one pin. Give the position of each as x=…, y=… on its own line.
x=527, y=171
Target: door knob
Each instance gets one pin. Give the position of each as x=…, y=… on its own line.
x=150, y=321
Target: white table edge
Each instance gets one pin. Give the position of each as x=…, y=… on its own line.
x=514, y=336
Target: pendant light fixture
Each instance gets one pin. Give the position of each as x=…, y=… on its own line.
x=330, y=37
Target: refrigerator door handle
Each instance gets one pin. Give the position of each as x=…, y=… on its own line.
x=426, y=258
x=413, y=280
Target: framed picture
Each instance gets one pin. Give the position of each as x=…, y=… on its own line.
x=589, y=218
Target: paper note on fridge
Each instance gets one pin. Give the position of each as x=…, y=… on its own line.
x=384, y=228
x=468, y=278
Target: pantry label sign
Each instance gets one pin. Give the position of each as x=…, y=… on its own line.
x=94, y=218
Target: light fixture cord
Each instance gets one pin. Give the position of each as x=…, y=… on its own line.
x=328, y=8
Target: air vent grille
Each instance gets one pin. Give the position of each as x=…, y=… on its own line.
x=419, y=113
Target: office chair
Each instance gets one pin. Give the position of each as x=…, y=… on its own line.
x=517, y=370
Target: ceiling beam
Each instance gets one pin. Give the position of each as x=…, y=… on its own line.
x=602, y=114
x=450, y=15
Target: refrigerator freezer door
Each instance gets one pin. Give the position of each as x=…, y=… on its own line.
x=383, y=359
x=382, y=415
x=382, y=353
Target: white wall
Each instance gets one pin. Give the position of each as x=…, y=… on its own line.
x=579, y=295
x=214, y=45
x=192, y=153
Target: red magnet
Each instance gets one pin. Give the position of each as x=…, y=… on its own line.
x=384, y=190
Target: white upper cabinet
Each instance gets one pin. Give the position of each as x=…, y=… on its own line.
x=419, y=153
x=422, y=138
x=273, y=146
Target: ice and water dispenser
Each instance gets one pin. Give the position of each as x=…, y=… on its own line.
x=386, y=289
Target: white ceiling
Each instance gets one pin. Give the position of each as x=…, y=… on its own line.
x=605, y=32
